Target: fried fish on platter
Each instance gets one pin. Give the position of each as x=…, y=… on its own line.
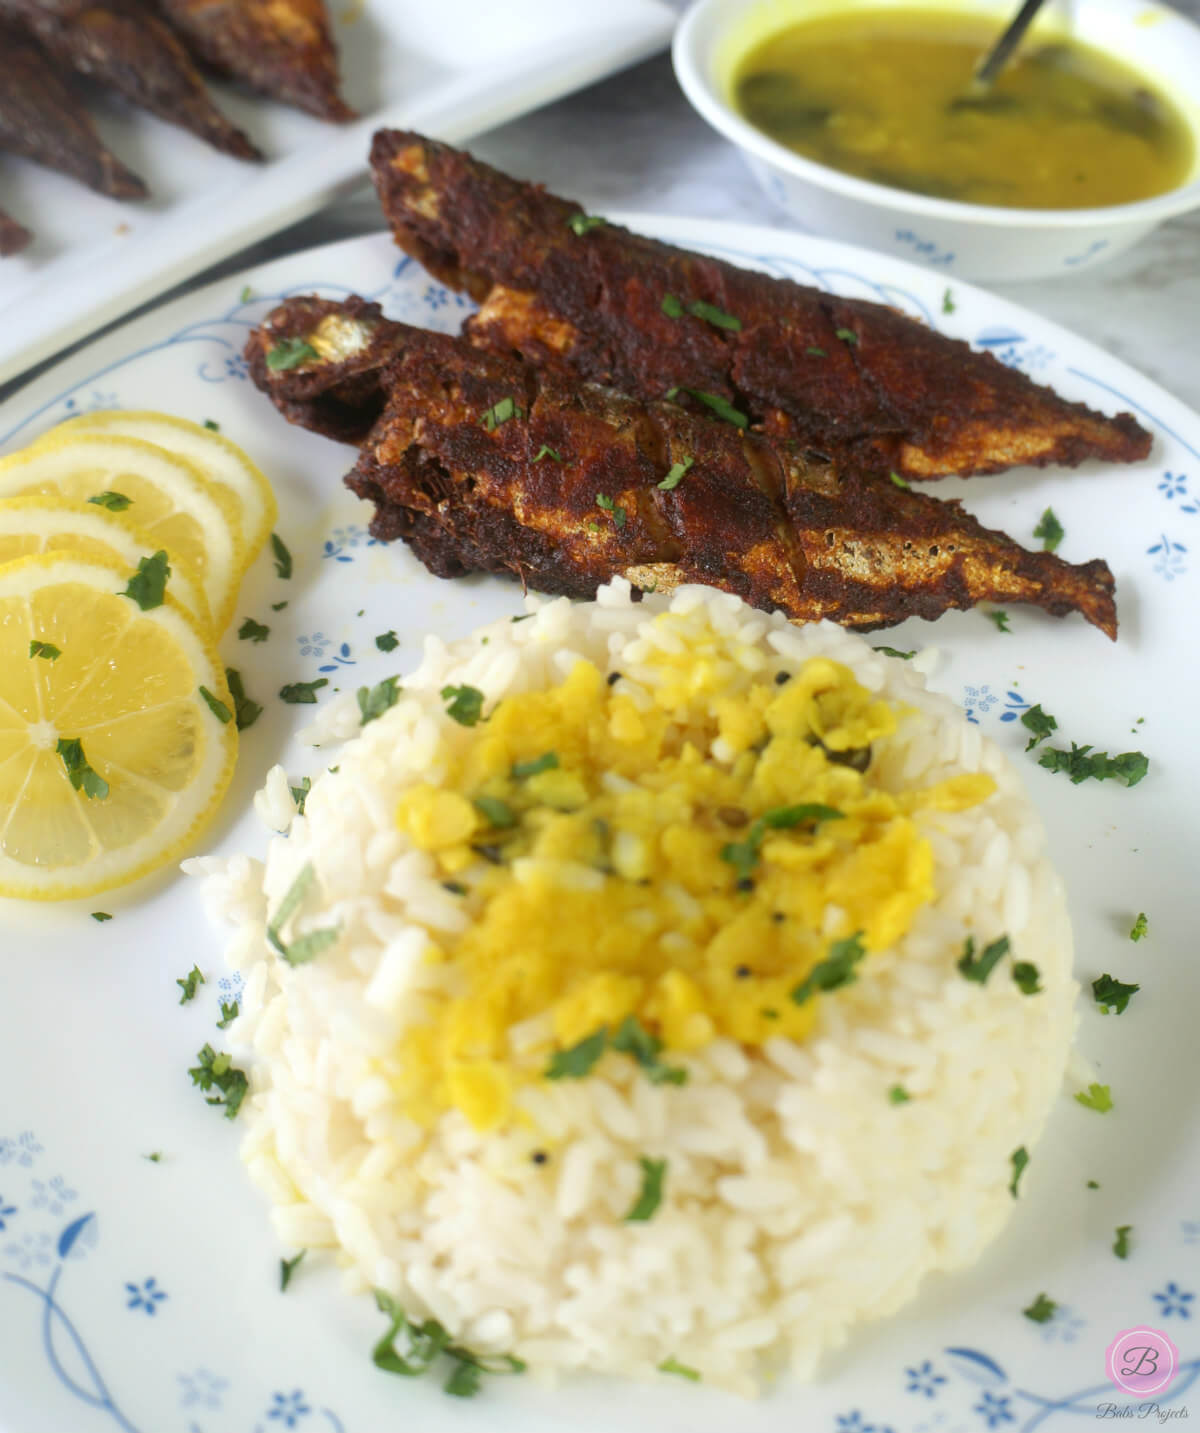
x=124, y=46
x=840, y=375
x=41, y=119
x=281, y=48
x=482, y=463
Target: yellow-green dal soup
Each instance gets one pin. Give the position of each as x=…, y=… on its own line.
x=887, y=95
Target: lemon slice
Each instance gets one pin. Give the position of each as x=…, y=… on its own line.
x=33, y=525
x=170, y=500
x=111, y=756
x=220, y=460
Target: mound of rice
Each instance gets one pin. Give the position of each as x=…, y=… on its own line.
x=801, y=1198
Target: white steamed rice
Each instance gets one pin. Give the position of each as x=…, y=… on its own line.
x=800, y=1200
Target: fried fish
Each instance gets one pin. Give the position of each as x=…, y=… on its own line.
x=481, y=462
x=41, y=119
x=281, y=48
x=842, y=375
x=124, y=46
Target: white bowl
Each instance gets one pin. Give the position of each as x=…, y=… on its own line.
x=972, y=241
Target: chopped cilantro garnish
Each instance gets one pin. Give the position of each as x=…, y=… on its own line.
x=1112, y=994
x=307, y=947
x=291, y=902
x=290, y=353
x=212, y=425
x=743, y=855
x=609, y=506
x=814, y=352
x=836, y=970
x=278, y=606
x=1140, y=927
x=287, y=1267
x=847, y=335
x=546, y=451
x=463, y=704
x=79, y=772
x=894, y=652
x=676, y=475
x=500, y=412
x=148, y=584
x=1041, y=1311
x=155, y=1157
x=387, y=641
x=245, y=712
x=246, y=294
x=497, y=813
x=672, y=1365
x=1019, y=1160
x=420, y=1346
x=302, y=694
x=218, y=1071
x=1000, y=619
x=899, y=481
x=374, y=701
x=1050, y=530
x=283, y=558
x=948, y=304
x=1096, y=1097
x=114, y=502
x=524, y=617
x=229, y=1013
x=464, y=1380
x=189, y=984
x=45, y=649
x=1082, y=764
x=898, y=1095
x=671, y=306
x=716, y=316
x=979, y=969
x=632, y=1038
x=548, y=761
x=645, y=1207
x=1026, y=975
x=720, y=406
x=252, y=631
x=101, y=916
x=579, y=1060
x=581, y=224
x=1092, y=1184
x=1121, y=1242
x=300, y=793
x=1040, y=723
x=216, y=706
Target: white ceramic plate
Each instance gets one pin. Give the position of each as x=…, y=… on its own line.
x=141, y=1295
x=451, y=68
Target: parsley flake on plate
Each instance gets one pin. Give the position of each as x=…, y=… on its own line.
x=654, y=1172
x=581, y=224
x=1050, y=530
x=283, y=558
x=836, y=970
x=1041, y=1311
x=252, y=631
x=190, y=983
x=287, y=1267
x=1040, y=723
x=217, y=1071
x=979, y=968
x=500, y=412
x=898, y=1095
x=895, y=652
x=1019, y=1160
x=463, y=704
x=290, y=353
x=948, y=304
x=300, y=793
x=672, y=1365
x=47, y=650
x=387, y=641
x=374, y=701
x=676, y=475
x=79, y=771
x=148, y=585
x=1112, y=995
x=1121, y=1240
x=114, y=502
x=212, y=425
x=1026, y=975
x=229, y=1013
x=1000, y=619
x=302, y=693
x=216, y=706
x=245, y=712
x=411, y=1349
x=1083, y=764
x=1140, y=928
x=1096, y=1097
x=101, y=916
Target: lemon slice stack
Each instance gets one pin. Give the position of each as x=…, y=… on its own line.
x=123, y=540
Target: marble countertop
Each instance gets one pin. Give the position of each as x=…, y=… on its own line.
x=633, y=142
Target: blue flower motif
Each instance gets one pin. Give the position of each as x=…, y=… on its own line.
x=1014, y=704
x=147, y=1296
x=994, y=1407
x=52, y=1195
x=852, y=1423
x=1174, y=1302
x=236, y=367
x=1191, y=1231
x=230, y=987
x=341, y=658
x=1092, y=249
x=1172, y=559
x=1173, y=485
x=978, y=701
x=23, y=1150
x=313, y=646
x=96, y=403
x=30, y=1250
x=435, y=296
x=924, y=248
x=347, y=537
x=924, y=1379
x=6, y=1211
x=202, y=1388
x=1063, y=1325
x=289, y=1408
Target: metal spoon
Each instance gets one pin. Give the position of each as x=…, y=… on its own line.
x=1001, y=52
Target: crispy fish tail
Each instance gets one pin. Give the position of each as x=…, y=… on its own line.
x=483, y=463
x=616, y=308
x=41, y=119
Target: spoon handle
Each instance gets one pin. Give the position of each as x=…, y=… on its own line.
x=998, y=56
